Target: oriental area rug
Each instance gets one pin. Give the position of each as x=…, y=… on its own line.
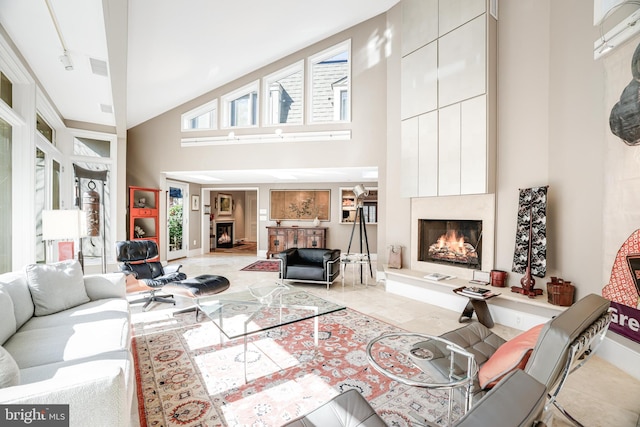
x=272, y=266
x=188, y=375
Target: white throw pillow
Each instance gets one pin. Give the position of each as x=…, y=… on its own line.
x=56, y=287
x=9, y=371
x=8, y=321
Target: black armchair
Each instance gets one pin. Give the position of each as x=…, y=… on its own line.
x=139, y=261
x=312, y=265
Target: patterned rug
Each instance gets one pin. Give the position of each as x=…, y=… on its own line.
x=186, y=377
x=273, y=266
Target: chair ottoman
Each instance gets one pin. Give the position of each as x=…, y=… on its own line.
x=197, y=287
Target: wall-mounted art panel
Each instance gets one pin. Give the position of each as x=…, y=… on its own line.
x=419, y=77
x=462, y=63
x=449, y=151
x=454, y=13
x=300, y=205
x=409, y=143
x=428, y=154
x=473, y=146
x=419, y=24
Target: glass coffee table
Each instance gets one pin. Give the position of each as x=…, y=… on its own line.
x=263, y=306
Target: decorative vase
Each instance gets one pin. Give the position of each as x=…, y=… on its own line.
x=498, y=278
x=316, y=222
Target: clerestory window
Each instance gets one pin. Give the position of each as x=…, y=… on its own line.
x=6, y=89
x=201, y=118
x=284, y=96
x=241, y=107
x=330, y=76
x=44, y=129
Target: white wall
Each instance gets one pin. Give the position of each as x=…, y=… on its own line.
x=551, y=131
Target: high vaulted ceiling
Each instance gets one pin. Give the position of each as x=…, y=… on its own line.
x=135, y=59
x=162, y=53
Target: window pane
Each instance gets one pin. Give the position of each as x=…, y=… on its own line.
x=285, y=99
x=344, y=105
x=92, y=246
x=5, y=196
x=240, y=107
x=44, y=129
x=330, y=77
x=40, y=201
x=243, y=110
x=6, y=90
x=203, y=117
x=204, y=121
x=91, y=147
x=55, y=186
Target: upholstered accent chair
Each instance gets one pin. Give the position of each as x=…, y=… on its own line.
x=312, y=265
x=348, y=409
x=140, y=262
x=560, y=346
x=518, y=400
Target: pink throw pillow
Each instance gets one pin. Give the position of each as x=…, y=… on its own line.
x=511, y=355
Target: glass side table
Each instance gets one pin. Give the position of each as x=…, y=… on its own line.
x=405, y=342
x=355, y=260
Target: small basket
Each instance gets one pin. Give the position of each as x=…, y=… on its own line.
x=560, y=292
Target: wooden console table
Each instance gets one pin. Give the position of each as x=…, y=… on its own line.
x=281, y=238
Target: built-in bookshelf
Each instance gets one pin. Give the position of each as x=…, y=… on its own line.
x=348, y=206
x=143, y=214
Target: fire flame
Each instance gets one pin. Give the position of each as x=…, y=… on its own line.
x=453, y=242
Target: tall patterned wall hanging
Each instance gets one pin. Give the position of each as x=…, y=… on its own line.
x=530, y=254
x=92, y=203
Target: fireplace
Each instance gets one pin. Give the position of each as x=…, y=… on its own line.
x=450, y=242
x=473, y=207
x=224, y=234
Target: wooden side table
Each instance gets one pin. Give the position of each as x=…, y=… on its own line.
x=477, y=304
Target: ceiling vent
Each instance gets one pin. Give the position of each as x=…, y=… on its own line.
x=99, y=67
x=106, y=108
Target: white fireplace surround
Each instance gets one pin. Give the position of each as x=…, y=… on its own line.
x=469, y=207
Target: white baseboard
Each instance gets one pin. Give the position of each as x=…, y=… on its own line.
x=620, y=356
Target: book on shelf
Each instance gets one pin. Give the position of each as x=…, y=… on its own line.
x=438, y=276
x=476, y=292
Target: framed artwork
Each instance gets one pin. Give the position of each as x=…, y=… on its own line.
x=225, y=204
x=304, y=205
x=195, y=203
x=207, y=209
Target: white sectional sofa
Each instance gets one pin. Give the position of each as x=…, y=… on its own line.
x=66, y=339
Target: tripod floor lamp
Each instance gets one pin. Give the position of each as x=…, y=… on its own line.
x=360, y=193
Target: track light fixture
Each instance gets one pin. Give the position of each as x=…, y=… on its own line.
x=65, y=58
x=618, y=34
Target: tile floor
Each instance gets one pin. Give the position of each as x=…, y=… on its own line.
x=598, y=394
